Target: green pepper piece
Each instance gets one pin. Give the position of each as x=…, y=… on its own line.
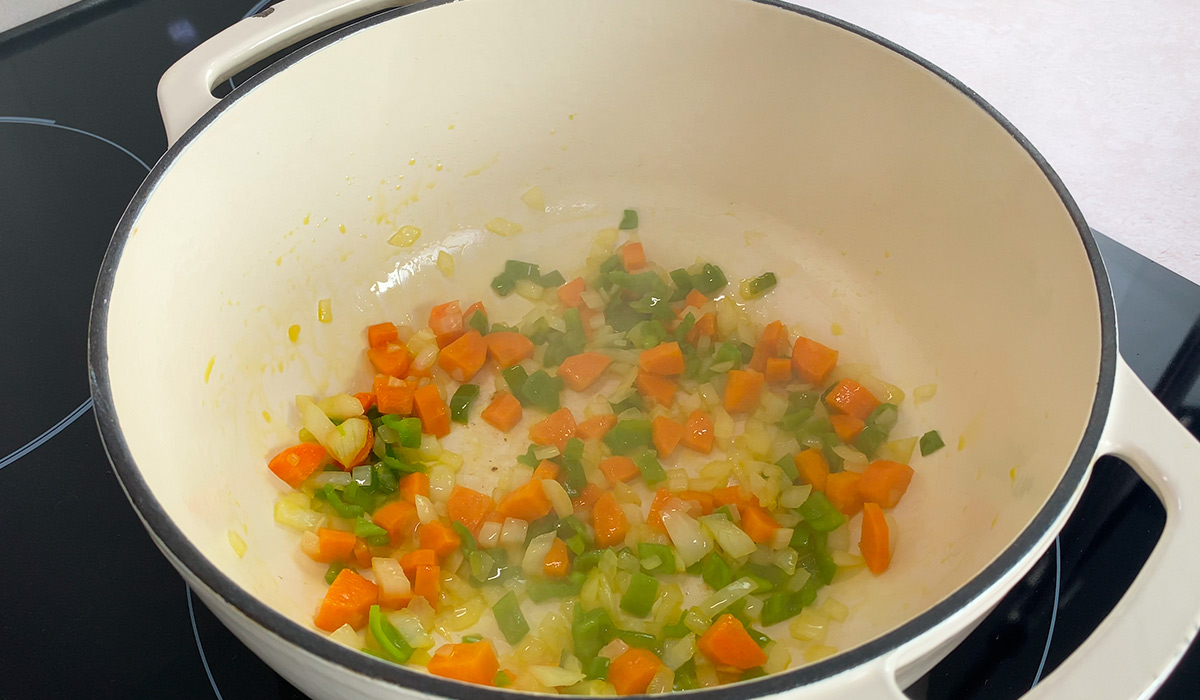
x=384, y=479
x=591, y=631
x=520, y=270
x=502, y=679
x=666, y=557
x=365, y=528
x=629, y=220
x=409, y=430
x=542, y=390
x=460, y=403
x=574, y=478
x=758, y=286
x=709, y=280
x=634, y=401
x=509, y=618
x=683, y=284
x=468, y=540
x=801, y=534
x=542, y=590
x=884, y=416
x=529, y=459
x=629, y=435
x=515, y=377
x=551, y=279
x=343, y=509
x=621, y=316
x=596, y=669
x=870, y=440
x=685, y=677
x=820, y=514
x=472, y=638
x=788, y=465
x=640, y=595
x=781, y=606
x=588, y=560
x=479, y=321
x=676, y=630
x=503, y=285
x=389, y=638
x=652, y=471
x=334, y=569
x=541, y=526
x=482, y=566
x=573, y=449
x=828, y=442
x=757, y=671
x=931, y=442
x=716, y=572
x=647, y=334
x=727, y=352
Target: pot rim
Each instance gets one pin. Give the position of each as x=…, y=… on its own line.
x=170, y=536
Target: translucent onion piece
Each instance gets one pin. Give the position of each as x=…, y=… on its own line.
x=691, y=543
x=340, y=406
x=729, y=537
x=390, y=577
x=725, y=597
x=512, y=534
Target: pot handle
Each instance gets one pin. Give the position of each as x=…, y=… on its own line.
x=185, y=90
x=1134, y=649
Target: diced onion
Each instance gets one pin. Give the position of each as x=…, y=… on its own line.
x=441, y=482
x=924, y=393
x=592, y=299
x=558, y=498
x=809, y=626
x=613, y=649
x=291, y=510
x=347, y=636
x=335, y=478
x=464, y=616
x=325, y=311
x=846, y=559
x=238, y=544
x=340, y=407
x=897, y=450
x=503, y=227
x=424, y=359
x=390, y=578
x=347, y=440
x=662, y=682
x=489, y=535
x=781, y=538
x=410, y=627
x=528, y=289
x=445, y=263
x=426, y=513
x=753, y=606
x=835, y=609
x=797, y=581
x=555, y=677
x=545, y=452
x=794, y=496
x=695, y=622
x=778, y=658
x=361, y=475
x=851, y=455
x=725, y=597
x=405, y=236
x=816, y=652
x=785, y=560
x=512, y=534
x=729, y=537
x=690, y=541
x=310, y=544
x=534, y=200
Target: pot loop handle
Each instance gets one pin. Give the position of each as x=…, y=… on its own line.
x=185, y=90
x=1131, y=653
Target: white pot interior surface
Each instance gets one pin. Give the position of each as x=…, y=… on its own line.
x=888, y=202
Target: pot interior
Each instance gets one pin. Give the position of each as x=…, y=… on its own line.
x=888, y=202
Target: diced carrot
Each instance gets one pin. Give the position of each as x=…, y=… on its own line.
x=431, y=409
x=392, y=358
x=396, y=601
x=654, y=516
x=362, y=553
x=706, y=327
x=334, y=545
x=704, y=500
x=526, y=502
x=416, y=559
x=655, y=388
x=631, y=672
x=570, y=293
x=813, y=468
x=779, y=370
x=595, y=427
x=633, y=256
x=503, y=412
x=465, y=356
x=874, y=545
x=727, y=643
x=695, y=299
x=399, y=518
x=698, y=431
x=446, y=322
x=554, y=429
x=468, y=662
x=367, y=399
x=609, y=521
x=666, y=434
x=580, y=371
x=477, y=306
x=735, y=495
x=469, y=507
x=664, y=359
x=298, y=462
x=847, y=427
x=885, y=482
x=508, y=348
x=852, y=398
x=392, y=395
x=428, y=583
x=767, y=347
x=413, y=485
x=545, y=470
x=619, y=468
x=812, y=360
x=557, y=564
x=743, y=391
x=842, y=491
x=439, y=537
x=758, y=523
x=587, y=497
x=347, y=602
x=381, y=334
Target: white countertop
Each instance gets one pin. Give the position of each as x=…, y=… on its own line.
x=1107, y=90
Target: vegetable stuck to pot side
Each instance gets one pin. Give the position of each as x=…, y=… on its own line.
x=604, y=564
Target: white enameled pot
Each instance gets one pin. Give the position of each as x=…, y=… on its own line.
x=890, y=200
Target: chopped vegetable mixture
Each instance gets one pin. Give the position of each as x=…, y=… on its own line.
x=676, y=532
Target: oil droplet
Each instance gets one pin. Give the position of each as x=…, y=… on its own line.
x=305, y=222
x=431, y=185
x=412, y=161
x=962, y=442
x=451, y=127
x=294, y=332
x=342, y=228
x=279, y=261
x=266, y=416
x=439, y=167
x=325, y=311
x=836, y=329
x=370, y=197
x=570, y=116
x=887, y=253
x=208, y=370
x=1012, y=474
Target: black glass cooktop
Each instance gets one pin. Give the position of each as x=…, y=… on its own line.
x=90, y=607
